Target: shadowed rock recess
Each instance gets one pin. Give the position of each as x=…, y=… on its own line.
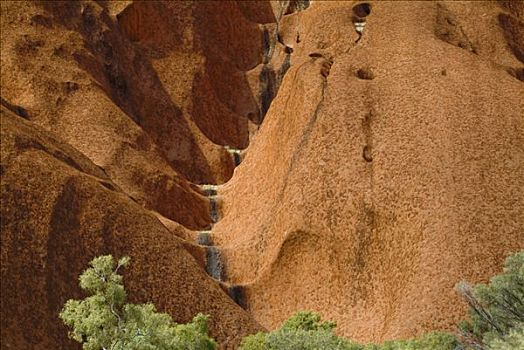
x=258, y=158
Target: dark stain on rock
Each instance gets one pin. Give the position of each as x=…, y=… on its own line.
x=365, y=74
x=18, y=110
x=42, y=21
x=237, y=293
x=513, y=30
x=366, y=154
x=267, y=89
x=448, y=29
x=296, y=6
x=63, y=243
x=266, y=46
x=22, y=144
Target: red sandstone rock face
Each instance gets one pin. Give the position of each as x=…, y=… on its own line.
x=83, y=81
x=373, y=188
x=59, y=210
x=387, y=168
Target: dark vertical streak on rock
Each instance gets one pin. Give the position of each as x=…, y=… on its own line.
x=267, y=90
x=214, y=266
x=237, y=293
x=62, y=242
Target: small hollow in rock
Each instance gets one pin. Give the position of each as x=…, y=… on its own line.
x=366, y=154
x=362, y=10
x=365, y=73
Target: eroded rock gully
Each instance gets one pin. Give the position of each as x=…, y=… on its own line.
x=256, y=158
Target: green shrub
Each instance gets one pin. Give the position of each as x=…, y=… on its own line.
x=496, y=309
x=305, y=331
x=513, y=340
x=429, y=341
x=105, y=321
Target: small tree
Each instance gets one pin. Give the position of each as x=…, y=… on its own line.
x=104, y=321
x=496, y=309
x=302, y=331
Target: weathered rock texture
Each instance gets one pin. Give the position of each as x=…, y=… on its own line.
x=102, y=78
x=385, y=158
x=59, y=210
x=387, y=168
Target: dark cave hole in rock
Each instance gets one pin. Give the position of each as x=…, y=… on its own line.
x=365, y=74
x=362, y=10
x=366, y=154
x=254, y=117
x=296, y=6
x=237, y=159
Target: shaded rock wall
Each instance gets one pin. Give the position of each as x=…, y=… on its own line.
x=59, y=210
x=77, y=80
x=102, y=78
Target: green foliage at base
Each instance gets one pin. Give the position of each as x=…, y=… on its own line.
x=496, y=309
x=513, y=340
x=430, y=341
x=305, y=331
x=105, y=321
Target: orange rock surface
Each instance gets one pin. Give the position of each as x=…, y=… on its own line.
x=381, y=146
x=388, y=168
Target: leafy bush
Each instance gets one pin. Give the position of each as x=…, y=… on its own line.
x=105, y=321
x=513, y=340
x=308, y=321
x=496, y=309
x=430, y=341
x=305, y=331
